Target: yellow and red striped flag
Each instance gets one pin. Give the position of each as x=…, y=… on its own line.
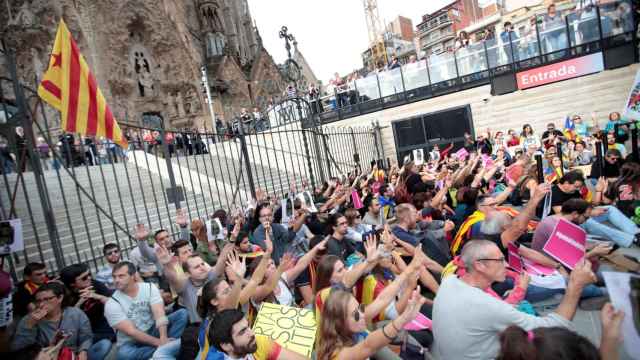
x=69, y=86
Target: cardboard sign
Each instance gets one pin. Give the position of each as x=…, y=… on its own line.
x=215, y=230
x=292, y=328
x=16, y=242
x=307, y=201
x=619, y=289
x=462, y=153
x=287, y=210
x=566, y=243
x=418, y=156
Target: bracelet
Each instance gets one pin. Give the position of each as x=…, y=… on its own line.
x=394, y=327
x=385, y=334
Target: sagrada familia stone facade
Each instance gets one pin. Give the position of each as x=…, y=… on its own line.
x=147, y=55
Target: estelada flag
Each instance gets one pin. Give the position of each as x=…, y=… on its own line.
x=69, y=86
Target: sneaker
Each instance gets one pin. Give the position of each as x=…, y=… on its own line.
x=594, y=303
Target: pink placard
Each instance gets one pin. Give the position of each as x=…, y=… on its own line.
x=462, y=153
x=421, y=322
x=514, y=260
x=537, y=269
x=357, y=202
x=566, y=243
x=487, y=161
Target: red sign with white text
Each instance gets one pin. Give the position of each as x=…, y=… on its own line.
x=560, y=71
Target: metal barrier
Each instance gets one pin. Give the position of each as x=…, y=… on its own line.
x=73, y=195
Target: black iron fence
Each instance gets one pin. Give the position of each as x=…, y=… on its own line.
x=73, y=194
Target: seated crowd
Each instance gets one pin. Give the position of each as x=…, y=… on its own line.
x=369, y=252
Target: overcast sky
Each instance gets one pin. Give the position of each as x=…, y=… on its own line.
x=331, y=34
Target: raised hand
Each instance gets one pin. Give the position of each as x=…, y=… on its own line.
x=141, y=232
x=238, y=266
x=163, y=255
x=582, y=275
x=287, y=262
x=181, y=218
x=602, y=184
x=37, y=315
x=413, y=307
x=523, y=280
x=541, y=191
x=321, y=246
x=419, y=258
x=371, y=249
x=611, y=323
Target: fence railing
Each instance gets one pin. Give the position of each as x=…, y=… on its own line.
x=74, y=194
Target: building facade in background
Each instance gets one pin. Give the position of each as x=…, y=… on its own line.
x=398, y=41
x=147, y=55
x=437, y=31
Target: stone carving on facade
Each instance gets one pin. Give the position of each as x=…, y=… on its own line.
x=24, y=17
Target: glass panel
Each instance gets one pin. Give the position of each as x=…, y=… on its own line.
x=368, y=88
x=390, y=82
x=528, y=46
x=553, y=33
x=471, y=59
x=415, y=75
x=493, y=52
x=441, y=67
x=583, y=24
x=616, y=18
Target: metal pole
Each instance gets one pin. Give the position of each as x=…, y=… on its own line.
x=167, y=159
x=245, y=156
x=35, y=163
x=205, y=81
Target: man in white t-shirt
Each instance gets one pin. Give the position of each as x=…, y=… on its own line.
x=136, y=312
x=467, y=321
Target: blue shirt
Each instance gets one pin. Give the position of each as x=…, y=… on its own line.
x=404, y=235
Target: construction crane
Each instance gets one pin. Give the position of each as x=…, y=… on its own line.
x=374, y=27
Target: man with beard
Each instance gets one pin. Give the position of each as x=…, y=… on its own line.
x=111, y=253
x=338, y=244
x=235, y=339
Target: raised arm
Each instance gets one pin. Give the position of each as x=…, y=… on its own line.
x=258, y=274
x=304, y=261
x=383, y=336
x=169, y=264
x=373, y=255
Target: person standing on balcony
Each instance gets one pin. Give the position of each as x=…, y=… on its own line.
x=553, y=30
x=510, y=42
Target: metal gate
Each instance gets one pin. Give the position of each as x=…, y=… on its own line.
x=74, y=194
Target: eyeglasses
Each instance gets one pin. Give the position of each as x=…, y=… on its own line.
x=45, y=299
x=357, y=312
x=113, y=252
x=502, y=259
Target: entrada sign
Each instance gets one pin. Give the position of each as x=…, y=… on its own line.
x=560, y=71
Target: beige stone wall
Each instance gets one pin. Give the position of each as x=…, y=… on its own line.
x=601, y=93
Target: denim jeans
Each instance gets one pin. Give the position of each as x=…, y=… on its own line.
x=134, y=351
x=622, y=232
x=99, y=350
x=537, y=293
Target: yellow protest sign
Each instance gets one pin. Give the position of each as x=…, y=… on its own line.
x=292, y=328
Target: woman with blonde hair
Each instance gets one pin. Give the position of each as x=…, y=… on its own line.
x=343, y=327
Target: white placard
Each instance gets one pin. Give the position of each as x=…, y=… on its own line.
x=418, y=156
x=632, y=106
x=307, y=201
x=18, y=241
x=619, y=290
x=219, y=234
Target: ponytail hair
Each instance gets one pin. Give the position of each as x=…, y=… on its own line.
x=554, y=343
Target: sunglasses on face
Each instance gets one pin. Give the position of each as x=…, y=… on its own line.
x=359, y=310
x=113, y=252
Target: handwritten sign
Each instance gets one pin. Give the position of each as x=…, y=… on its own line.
x=292, y=328
x=566, y=243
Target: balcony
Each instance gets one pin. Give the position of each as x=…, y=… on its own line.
x=433, y=24
x=481, y=63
